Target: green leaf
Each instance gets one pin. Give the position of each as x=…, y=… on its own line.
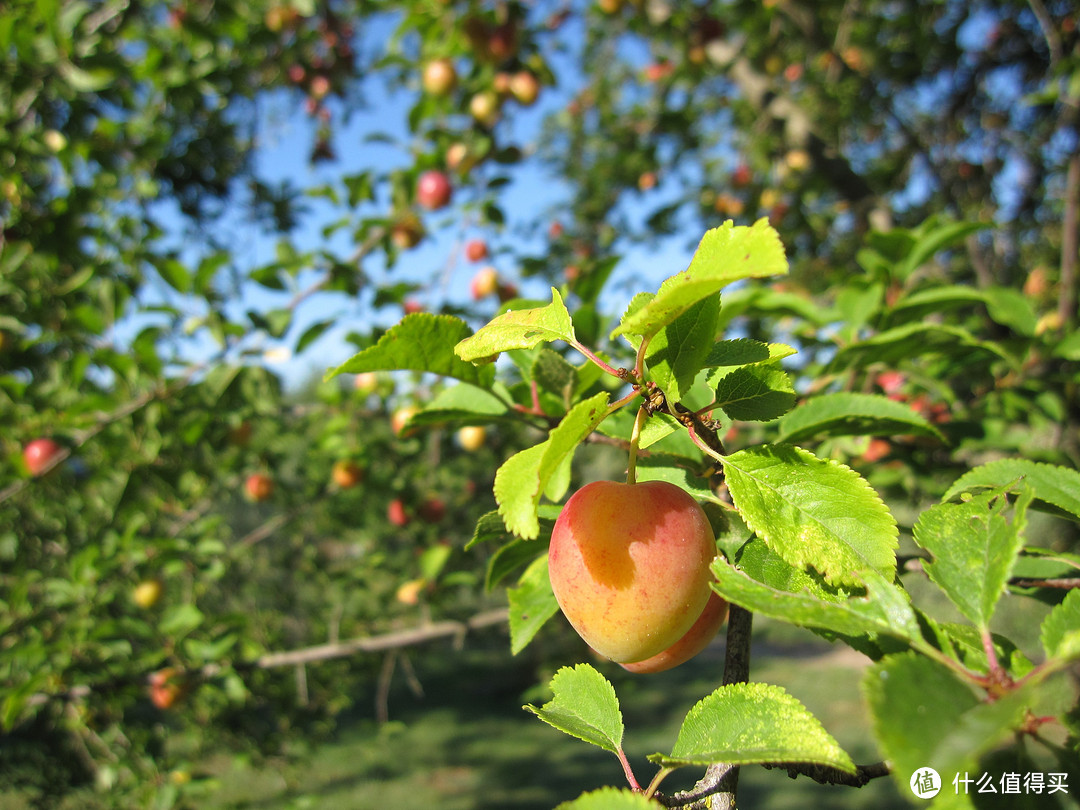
x=931, y=238
x=522, y=478
x=1057, y=489
x=609, y=798
x=764, y=583
x=419, y=342
x=520, y=329
x=462, y=403
x=509, y=558
x=813, y=512
x=532, y=603
x=584, y=705
x=849, y=414
x=180, y=620
x=745, y=723
x=925, y=717
x=755, y=393
x=313, y=333
x=1060, y=631
x=974, y=549
x=676, y=352
x=725, y=254
x=918, y=339
x=745, y=352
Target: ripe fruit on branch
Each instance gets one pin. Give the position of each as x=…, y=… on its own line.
x=433, y=190
x=259, y=487
x=525, y=88
x=408, y=593
x=629, y=566
x=347, y=474
x=165, y=687
x=697, y=638
x=472, y=437
x=147, y=593
x=484, y=107
x=366, y=382
x=484, y=283
x=439, y=77
x=476, y=250
x=40, y=454
x=396, y=514
x=400, y=418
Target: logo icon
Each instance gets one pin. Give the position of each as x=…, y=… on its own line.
x=925, y=783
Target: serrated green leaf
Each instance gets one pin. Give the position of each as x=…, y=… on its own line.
x=532, y=603
x=813, y=512
x=584, y=705
x=419, y=342
x=609, y=798
x=1060, y=631
x=553, y=373
x=522, y=478
x=851, y=414
x=974, y=549
x=923, y=716
x=757, y=393
x=725, y=254
x=1055, y=487
x=764, y=583
x=676, y=352
x=519, y=329
x=661, y=467
x=744, y=723
x=745, y=352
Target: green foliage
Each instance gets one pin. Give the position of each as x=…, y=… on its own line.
x=868, y=369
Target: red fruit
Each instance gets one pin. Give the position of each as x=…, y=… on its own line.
x=433, y=190
x=697, y=638
x=476, y=250
x=412, y=306
x=259, y=487
x=891, y=381
x=320, y=87
x=741, y=176
x=876, y=450
x=40, y=454
x=347, y=474
x=396, y=514
x=165, y=688
x=629, y=567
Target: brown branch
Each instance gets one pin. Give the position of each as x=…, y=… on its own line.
x=1069, y=243
x=1065, y=583
x=387, y=641
x=824, y=775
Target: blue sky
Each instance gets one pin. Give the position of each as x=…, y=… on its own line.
x=287, y=134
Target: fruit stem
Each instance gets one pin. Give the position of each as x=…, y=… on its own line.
x=635, y=439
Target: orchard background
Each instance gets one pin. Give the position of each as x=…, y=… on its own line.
x=239, y=239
